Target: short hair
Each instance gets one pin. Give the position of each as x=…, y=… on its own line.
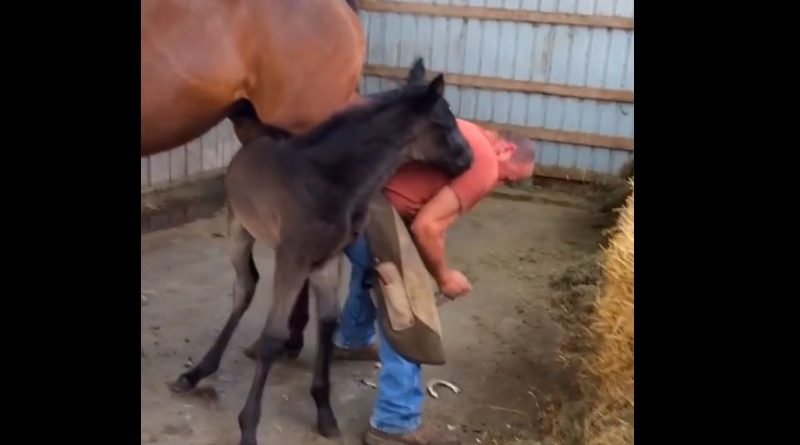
x=525, y=151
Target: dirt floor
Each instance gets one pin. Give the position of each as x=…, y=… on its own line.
x=502, y=343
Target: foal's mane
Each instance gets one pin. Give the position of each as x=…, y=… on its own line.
x=375, y=104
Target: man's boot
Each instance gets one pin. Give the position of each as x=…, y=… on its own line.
x=367, y=353
x=424, y=435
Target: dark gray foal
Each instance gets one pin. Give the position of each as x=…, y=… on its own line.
x=307, y=197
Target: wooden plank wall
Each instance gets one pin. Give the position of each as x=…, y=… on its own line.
x=560, y=70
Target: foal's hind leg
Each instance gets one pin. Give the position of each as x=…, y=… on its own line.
x=325, y=282
x=297, y=325
x=241, y=254
x=291, y=271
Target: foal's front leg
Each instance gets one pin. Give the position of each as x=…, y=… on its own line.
x=291, y=272
x=297, y=325
x=241, y=253
x=325, y=283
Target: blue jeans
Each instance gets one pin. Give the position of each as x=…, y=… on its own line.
x=398, y=407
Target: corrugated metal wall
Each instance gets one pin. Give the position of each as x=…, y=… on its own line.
x=206, y=155
x=581, y=56
x=519, y=49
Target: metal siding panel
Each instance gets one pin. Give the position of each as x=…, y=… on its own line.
x=506, y=49
x=392, y=42
x=617, y=53
x=536, y=110
x=456, y=50
x=559, y=61
x=453, y=96
x=523, y=56
x=530, y=5
x=627, y=82
x=210, y=144
x=583, y=158
x=159, y=168
x=625, y=123
x=550, y=152
x=365, y=18
x=408, y=40
x=227, y=140
x=177, y=163
x=598, y=54
x=194, y=157
x=542, y=52
x=601, y=160
x=567, y=6
x=618, y=159
x=608, y=118
x=604, y=7
x=472, y=59
x=624, y=8
x=585, y=7
x=469, y=99
x=439, y=48
x=145, y=172
x=424, y=38
x=518, y=108
x=376, y=38
x=579, y=57
x=490, y=43
x=548, y=5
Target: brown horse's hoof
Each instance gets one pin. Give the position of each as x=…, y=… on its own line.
x=182, y=385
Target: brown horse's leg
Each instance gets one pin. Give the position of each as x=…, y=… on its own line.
x=325, y=282
x=240, y=246
x=297, y=325
x=290, y=274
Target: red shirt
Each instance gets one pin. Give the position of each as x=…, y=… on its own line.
x=414, y=184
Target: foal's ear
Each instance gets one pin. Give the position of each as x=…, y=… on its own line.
x=432, y=94
x=436, y=87
x=417, y=72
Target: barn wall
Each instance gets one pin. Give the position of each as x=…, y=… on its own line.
x=522, y=50
x=569, y=85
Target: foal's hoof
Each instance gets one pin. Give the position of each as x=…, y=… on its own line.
x=250, y=352
x=182, y=385
x=328, y=428
x=293, y=353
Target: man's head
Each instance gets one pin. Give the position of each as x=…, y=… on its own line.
x=516, y=156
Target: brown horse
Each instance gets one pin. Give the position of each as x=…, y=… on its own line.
x=307, y=197
x=296, y=61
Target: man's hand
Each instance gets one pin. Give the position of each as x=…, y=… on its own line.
x=454, y=284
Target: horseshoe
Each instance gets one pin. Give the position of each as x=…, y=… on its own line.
x=439, y=382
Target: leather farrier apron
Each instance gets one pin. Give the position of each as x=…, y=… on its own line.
x=403, y=290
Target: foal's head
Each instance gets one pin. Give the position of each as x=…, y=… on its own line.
x=437, y=139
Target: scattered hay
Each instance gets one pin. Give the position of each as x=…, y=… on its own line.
x=611, y=364
x=618, y=191
x=594, y=305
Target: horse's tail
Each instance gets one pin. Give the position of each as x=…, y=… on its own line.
x=353, y=4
